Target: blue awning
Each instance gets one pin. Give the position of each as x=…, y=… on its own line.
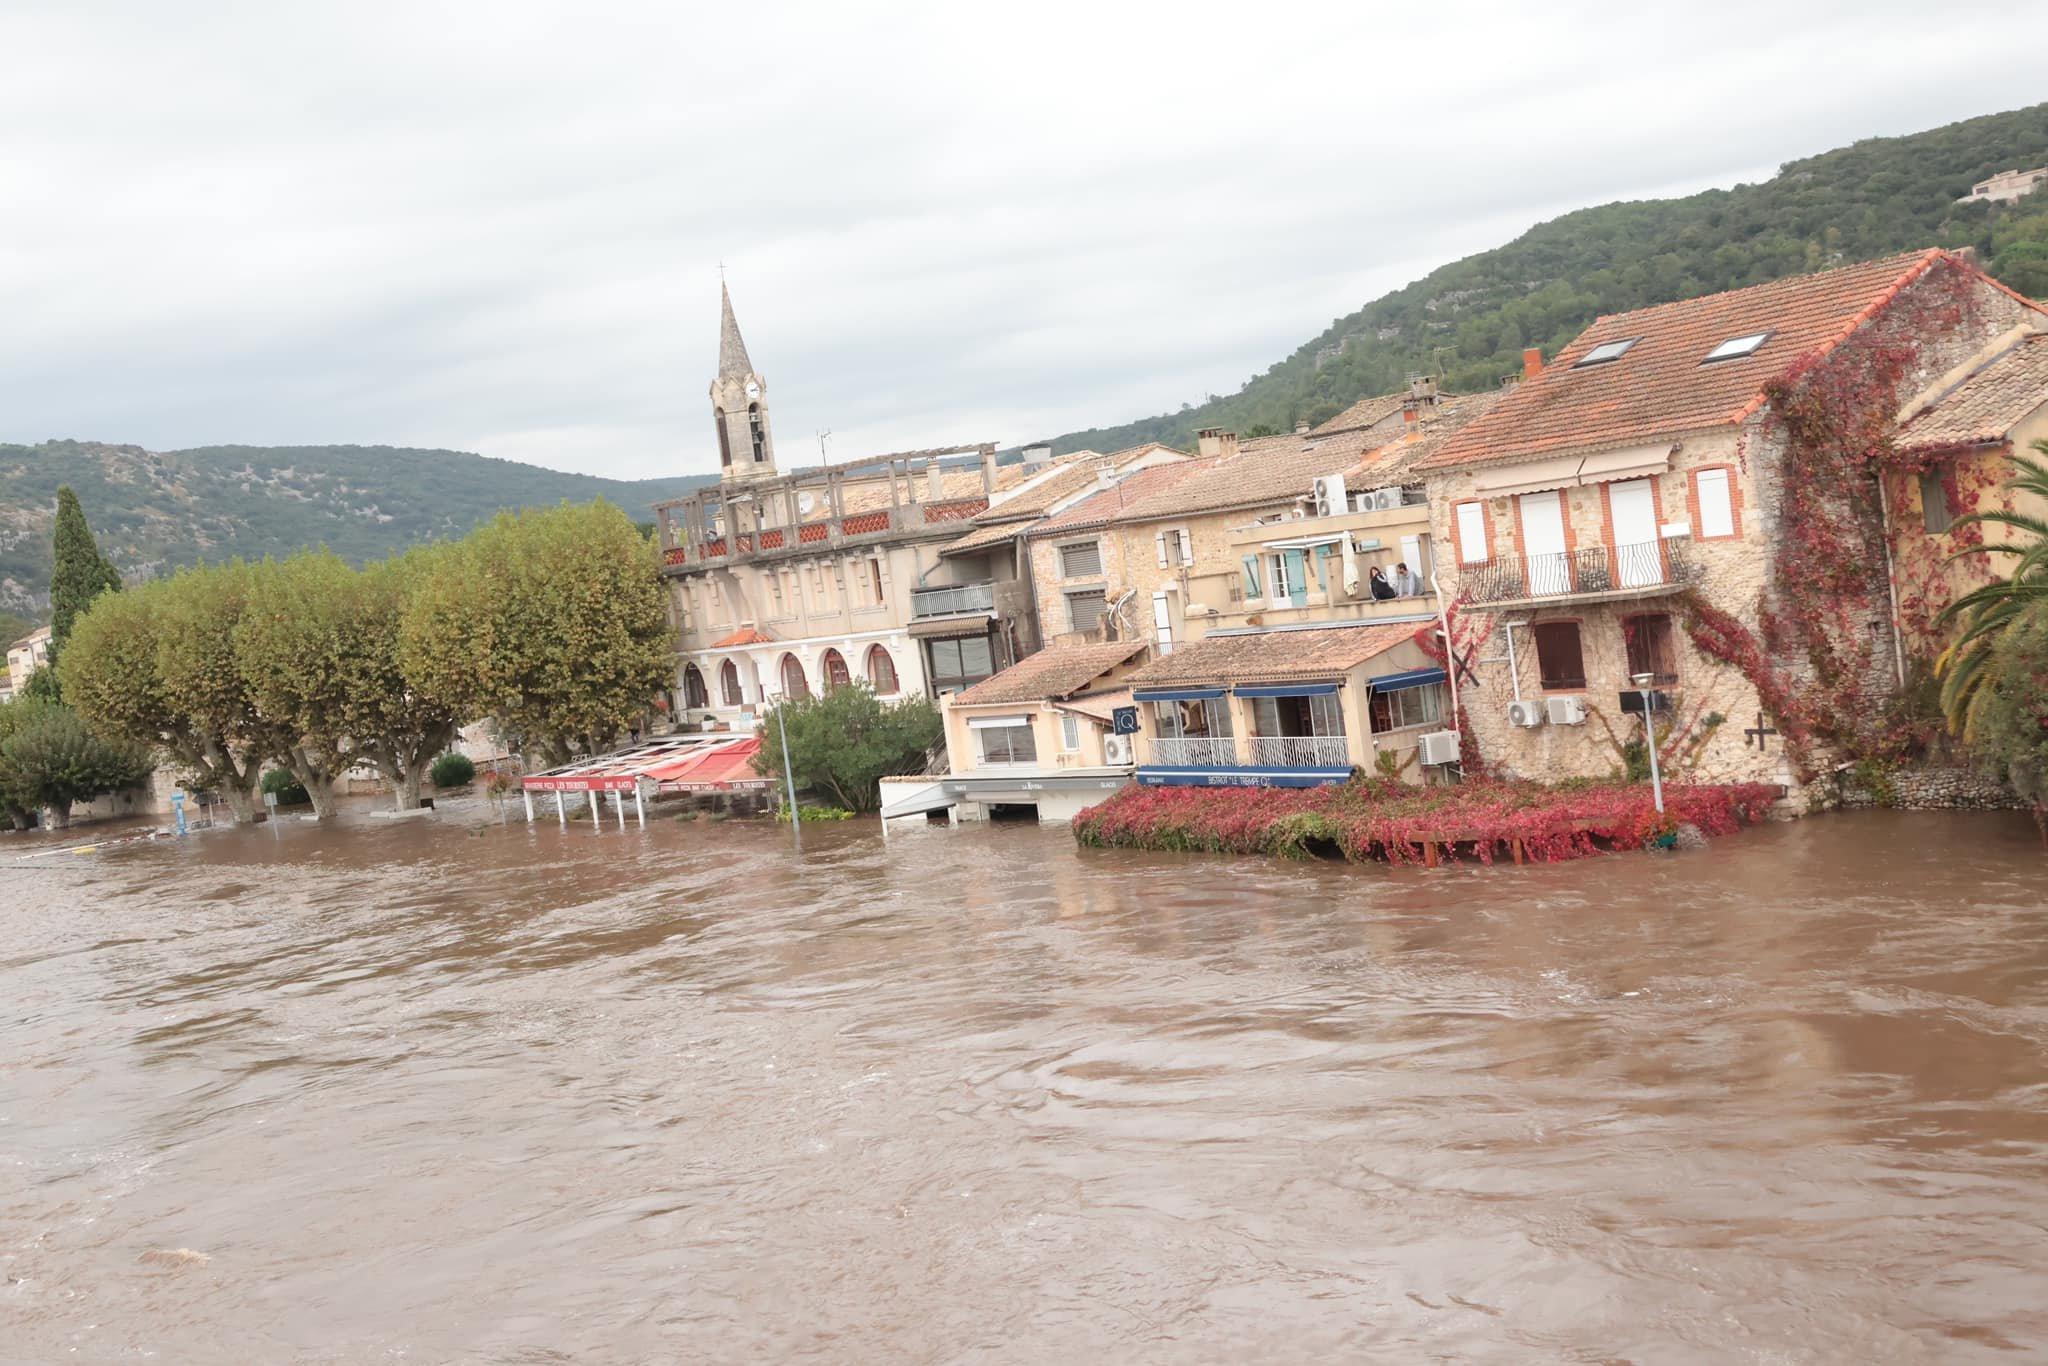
x=1287, y=690
x=1176, y=694
x=1414, y=678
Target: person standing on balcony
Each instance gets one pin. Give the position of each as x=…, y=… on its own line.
x=1381, y=589
x=1407, y=583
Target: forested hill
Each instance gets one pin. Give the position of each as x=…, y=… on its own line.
x=1470, y=320
x=157, y=509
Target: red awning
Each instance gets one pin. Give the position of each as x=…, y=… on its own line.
x=675, y=763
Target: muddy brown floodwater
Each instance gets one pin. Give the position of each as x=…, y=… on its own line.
x=468, y=1092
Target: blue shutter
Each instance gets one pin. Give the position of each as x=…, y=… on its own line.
x=1251, y=577
x=1297, y=577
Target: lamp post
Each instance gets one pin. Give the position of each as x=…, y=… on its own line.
x=1643, y=682
x=796, y=824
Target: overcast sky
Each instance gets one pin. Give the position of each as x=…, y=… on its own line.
x=498, y=227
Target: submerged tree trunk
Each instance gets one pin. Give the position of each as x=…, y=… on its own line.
x=317, y=779
x=57, y=815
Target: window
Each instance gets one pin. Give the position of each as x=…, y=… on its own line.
x=1289, y=569
x=729, y=685
x=1084, y=610
x=954, y=664
x=881, y=671
x=1284, y=716
x=1652, y=649
x=1605, y=352
x=724, y=440
x=1081, y=561
x=873, y=579
x=793, y=681
x=775, y=593
x=757, y=433
x=1559, y=661
x=1251, y=577
x=1005, y=740
x=1174, y=546
x=1737, y=347
x=1472, y=548
x=694, y=695
x=1716, y=495
x=1935, y=513
x=1070, y=732
x=833, y=668
x=1192, y=718
x=1423, y=706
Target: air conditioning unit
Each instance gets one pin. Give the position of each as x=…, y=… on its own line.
x=1330, y=496
x=1439, y=747
x=1116, y=749
x=1526, y=713
x=1567, y=711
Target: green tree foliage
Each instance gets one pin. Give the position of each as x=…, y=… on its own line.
x=52, y=760
x=13, y=626
x=156, y=666
x=844, y=742
x=1469, y=320
x=79, y=573
x=42, y=685
x=453, y=769
x=287, y=787
x=2010, y=729
x=552, y=622
x=1968, y=668
x=17, y=803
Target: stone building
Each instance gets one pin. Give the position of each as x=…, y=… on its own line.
x=1645, y=472
x=788, y=584
x=2007, y=187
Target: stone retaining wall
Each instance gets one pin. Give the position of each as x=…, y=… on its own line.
x=1935, y=789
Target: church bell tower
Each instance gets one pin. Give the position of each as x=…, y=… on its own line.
x=739, y=406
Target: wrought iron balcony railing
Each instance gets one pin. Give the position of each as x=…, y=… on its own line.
x=1642, y=567
x=952, y=600
x=1300, y=751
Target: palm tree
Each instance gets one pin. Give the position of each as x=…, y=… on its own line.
x=1967, y=667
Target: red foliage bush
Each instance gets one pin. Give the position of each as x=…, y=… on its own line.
x=1377, y=818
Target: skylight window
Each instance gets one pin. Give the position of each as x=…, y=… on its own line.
x=1737, y=346
x=1604, y=352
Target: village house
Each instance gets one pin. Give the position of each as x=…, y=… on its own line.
x=2007, y=187
x=1639, y=486
x=24, y=657
x=784, y=585
x=1036, y=739
x=1291, y=706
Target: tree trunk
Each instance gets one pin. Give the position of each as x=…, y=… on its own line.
x=57, y=815
x=240, y=797
x=405, y=786
x=318, y=782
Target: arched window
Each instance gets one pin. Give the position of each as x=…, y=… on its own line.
x=729, y=685
x=881, y=671
x=833, y=668
x=694, y=695
x=793, y=682
x=724, y=440
x=759, y=434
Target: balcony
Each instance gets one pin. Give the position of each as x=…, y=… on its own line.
x=1195, y=751
x=1591, y=574
x=952, y=601
x=1300, y=751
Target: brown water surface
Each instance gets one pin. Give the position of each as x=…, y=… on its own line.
x=446, y=1091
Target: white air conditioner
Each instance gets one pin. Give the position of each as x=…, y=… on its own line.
x=1116, y=749
x=1525, y=713
x=1330, y=496
x=1439, y=747
x=1567, y=711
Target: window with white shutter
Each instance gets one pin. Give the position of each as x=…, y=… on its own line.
x=1471, y=533
x=1717, y=506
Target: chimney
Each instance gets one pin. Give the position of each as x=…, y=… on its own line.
x=937, y=475
x=1301, y=427
x=1532, y=361
x=1215, y=441
x=1037, y=457
x=1411, y=414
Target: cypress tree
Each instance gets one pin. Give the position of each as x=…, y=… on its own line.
x=81, y=573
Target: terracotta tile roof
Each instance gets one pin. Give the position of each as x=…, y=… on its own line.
x=1275, y=656
x=1265, y=471
x=1367, y=412
x=1399, y=458
x=1659, y=387
x=746, y=635
x=1051, y=673
x=1109, y=505
x=1097, y=706
x=984, y=536
x=1987, y=403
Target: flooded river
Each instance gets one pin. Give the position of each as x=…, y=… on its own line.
x=448, y=1092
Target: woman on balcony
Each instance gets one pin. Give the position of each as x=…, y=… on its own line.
x=1381, y=589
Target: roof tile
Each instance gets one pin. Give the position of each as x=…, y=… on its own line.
x=1056, y=672
x=1988, y=403
x=1275, y=656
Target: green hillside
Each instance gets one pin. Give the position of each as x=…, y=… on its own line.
x=157, y=509
x=1470, y=320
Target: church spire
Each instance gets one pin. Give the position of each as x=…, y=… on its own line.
x=732, y=350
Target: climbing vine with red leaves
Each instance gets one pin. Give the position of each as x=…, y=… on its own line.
x=1815, y=660
x=1466, y=635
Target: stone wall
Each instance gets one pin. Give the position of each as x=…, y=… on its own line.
x=1933, y=789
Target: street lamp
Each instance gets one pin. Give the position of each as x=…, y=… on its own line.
x=1643, y=682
